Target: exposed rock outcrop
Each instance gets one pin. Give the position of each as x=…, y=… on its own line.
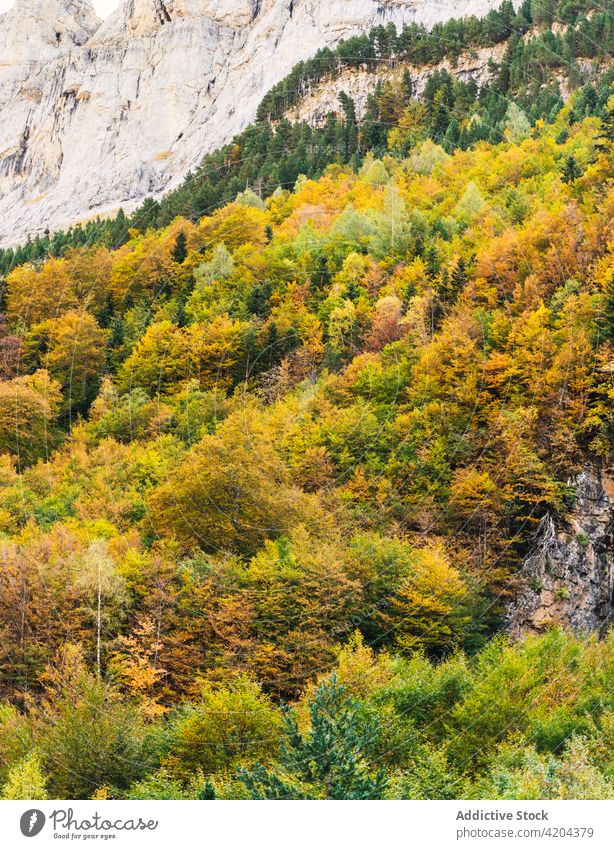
x=323, y=99
x=569, y=577
x=97, y=115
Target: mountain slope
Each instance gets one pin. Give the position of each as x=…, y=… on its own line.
x=321, y=443
x=339, y=416
x=459, y=82
x=114, y=112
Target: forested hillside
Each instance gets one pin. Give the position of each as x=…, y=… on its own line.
x=269, y=474
x=549, y=48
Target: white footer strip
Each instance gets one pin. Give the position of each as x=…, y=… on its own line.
x=308, y=825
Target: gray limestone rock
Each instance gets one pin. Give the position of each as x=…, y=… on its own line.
x=568, y=578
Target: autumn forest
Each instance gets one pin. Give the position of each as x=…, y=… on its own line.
x=274, y=449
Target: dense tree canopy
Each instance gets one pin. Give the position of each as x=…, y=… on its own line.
x=268, y=471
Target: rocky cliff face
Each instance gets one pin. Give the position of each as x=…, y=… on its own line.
x=97, y=115
x=323, y=99
x=569, y=577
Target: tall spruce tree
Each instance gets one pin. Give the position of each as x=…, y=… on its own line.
x=330, y=760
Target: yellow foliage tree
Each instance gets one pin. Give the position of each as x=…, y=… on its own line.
x=429, y=610
x=232, y=493
x=28, y=407
x=74, y=354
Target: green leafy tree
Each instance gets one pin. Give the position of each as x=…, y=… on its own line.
x=228, y=727
x=90, y=738
x=26, y=780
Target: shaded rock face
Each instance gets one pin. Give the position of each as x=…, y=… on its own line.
x=569, y=577
x=97, y=115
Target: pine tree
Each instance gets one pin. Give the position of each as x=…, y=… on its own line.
x=271, y=352
x=407, y=85
x=330, y=760
x=439, y=115
x=258, y=299
x=350, y=127
x=606, y=137
x=458, y=279
x=451, y=137
x=432, y=261
x=207, y=792
x=320, y=277
x=180, y=251
x=571, y=170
